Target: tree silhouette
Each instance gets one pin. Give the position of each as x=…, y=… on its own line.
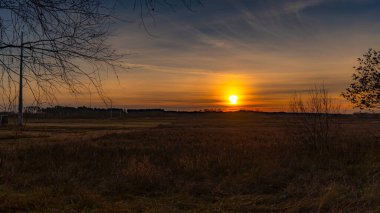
x=54, y=40
x=314, y=124
x=55, y=44
x=364, y=91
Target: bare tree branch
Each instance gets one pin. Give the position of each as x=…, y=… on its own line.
x=61, y=38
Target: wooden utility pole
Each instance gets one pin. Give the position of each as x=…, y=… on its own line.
x=20, y=104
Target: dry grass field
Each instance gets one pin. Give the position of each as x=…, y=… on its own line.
x=204, y=162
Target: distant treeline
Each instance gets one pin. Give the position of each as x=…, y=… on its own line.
x=61, y=112
x=72, y=112
x=89, y=112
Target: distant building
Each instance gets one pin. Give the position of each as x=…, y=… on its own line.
x=33, y=109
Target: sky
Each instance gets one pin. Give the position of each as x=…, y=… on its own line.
x=260, y=50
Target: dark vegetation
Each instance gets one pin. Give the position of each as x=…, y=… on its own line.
x=237, y=162
x=364, y=90
x=66, y=112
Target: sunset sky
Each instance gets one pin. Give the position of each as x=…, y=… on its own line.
x=260, y=50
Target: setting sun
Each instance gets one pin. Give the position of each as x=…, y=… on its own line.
x=233, y=99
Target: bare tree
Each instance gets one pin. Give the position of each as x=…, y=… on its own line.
x=59, y=43
x=364, y=91
x=55, y=44
x=314, y=121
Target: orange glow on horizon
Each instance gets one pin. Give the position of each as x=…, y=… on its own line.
x=232, y=92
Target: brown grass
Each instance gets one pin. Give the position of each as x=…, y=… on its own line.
x=234, y=162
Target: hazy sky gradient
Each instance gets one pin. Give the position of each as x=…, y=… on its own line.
x=263, y=50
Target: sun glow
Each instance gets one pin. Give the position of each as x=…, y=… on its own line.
x=233, y=99
x=232, y=92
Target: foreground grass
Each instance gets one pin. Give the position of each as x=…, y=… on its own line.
x=222, y=163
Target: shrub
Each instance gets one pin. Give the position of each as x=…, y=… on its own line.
x=315, y=120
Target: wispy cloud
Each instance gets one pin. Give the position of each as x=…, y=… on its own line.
x=295, y=6
x=274, y=46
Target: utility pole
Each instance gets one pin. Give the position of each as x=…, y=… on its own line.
x=20, y=105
